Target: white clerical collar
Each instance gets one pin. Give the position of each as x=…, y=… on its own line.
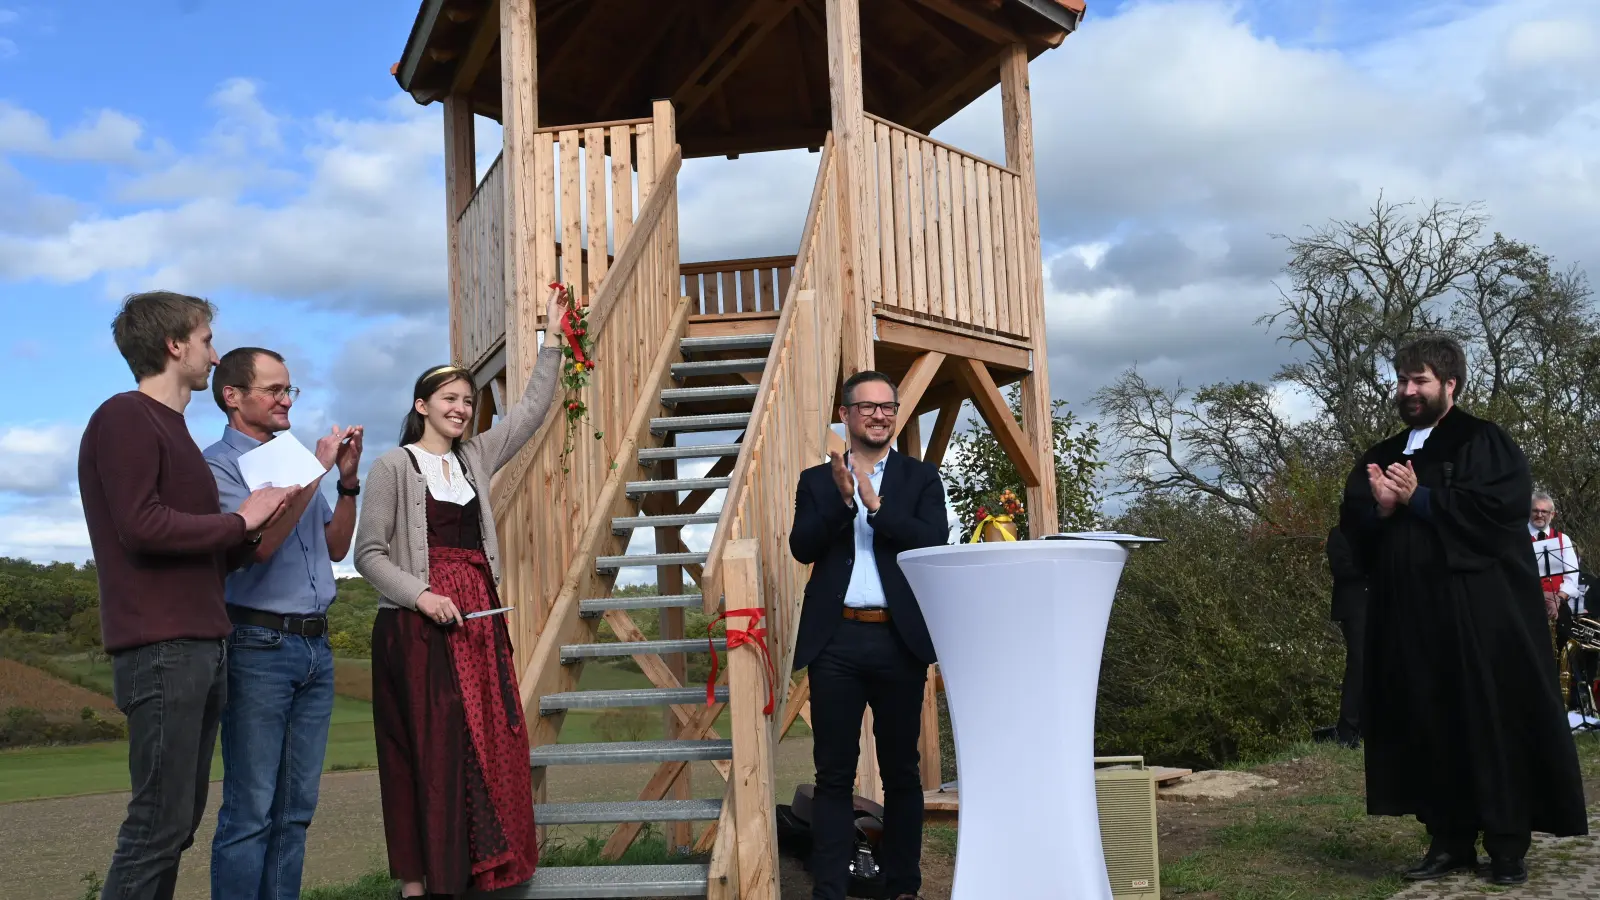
x=1417, y=438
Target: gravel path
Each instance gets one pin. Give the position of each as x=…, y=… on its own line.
x=1558, y=868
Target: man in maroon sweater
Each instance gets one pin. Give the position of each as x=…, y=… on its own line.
x=162, y=546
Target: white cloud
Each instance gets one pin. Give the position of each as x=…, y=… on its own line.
x=38, y=460
x=105, y=136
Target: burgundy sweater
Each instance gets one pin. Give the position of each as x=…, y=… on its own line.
x=161, y=543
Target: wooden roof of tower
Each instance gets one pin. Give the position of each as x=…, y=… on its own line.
x=743, y=75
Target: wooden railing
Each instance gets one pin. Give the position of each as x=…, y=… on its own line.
x=738, y=285
x=789, y=425
x=545, y=499
x=481, y=256
x=946, y=231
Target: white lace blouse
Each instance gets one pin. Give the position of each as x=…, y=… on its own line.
x=454, y=489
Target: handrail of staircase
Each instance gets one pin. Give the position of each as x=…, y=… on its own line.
x=816, y=270
x=662, y=200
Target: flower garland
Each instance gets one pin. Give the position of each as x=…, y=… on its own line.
x=577, y=361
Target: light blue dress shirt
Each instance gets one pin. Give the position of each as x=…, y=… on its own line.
x=298, y=578
x=866, y=589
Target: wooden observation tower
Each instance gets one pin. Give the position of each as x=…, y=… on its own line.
x=917, y=258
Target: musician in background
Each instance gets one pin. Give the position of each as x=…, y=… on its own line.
x=1561, y=588
x=1350, y=611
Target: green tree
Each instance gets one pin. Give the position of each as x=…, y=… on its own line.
x=977, y=470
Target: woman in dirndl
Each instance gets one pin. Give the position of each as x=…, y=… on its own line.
x=452, y=744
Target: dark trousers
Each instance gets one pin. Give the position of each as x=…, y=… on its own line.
x=1354, y=627
x=865, y=664
x=1463, y=842
x=172, y=693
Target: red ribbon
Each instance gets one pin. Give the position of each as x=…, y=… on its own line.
x=738, y=638
x=569, y=325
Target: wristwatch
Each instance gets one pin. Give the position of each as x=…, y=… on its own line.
x=348, y=492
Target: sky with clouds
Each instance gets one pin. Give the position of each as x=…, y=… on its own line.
x=261, y=155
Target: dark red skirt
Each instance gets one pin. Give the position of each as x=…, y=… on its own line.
x=452, y=745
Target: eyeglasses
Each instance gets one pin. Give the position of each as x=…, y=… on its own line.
x=274, y=393
x=868, y=409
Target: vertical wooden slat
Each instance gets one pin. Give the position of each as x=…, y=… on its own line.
x=959, y=239
x=905, y=203
x=985, y=244
x=594, y=159
x=747, y=290
x=947, y=236
x=571, y=214
x=972, y=310
x=713, y=293
x=785, y=275
x=1002, y=251
x=925, y=185
x=1019, y=256
x=545, y=233
x=890, y=219
x=645, y=147
x=621, y=185
x=727, y=287
x=872, y=230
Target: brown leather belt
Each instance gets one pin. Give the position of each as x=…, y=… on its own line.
x=874, y=614
x=307, y=626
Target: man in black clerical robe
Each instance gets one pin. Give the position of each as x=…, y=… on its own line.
x=1463, y=722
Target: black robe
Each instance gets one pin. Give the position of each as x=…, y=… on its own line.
x=1463, y=720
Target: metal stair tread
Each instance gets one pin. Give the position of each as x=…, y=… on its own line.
x=624, y=524
x=718, y=343
x=708, y=422
x=594, y=606
x=700, y=810
x=672, y=396
x=585, y=882
x=622, y=752
x=645, y=560
x=661, y=485
x=654, y=696
x=635, y=648
x=691, y=451
x=718, y=366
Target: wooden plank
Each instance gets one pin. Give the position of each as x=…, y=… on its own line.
x=571, y=214
x=931, y=225
x=519, y=116
x=949, y=246
x=986, y=247
x=891, y=215
x=723, y=877
x=951, y=148
x=594, y=177
x=908, y=177
x=974, y=21
x=621, y=184
x=1019, y=448
x=747, y=291
x=546, y=266
x=484, y=40
x=871, y=228
x=843, y=22
x=1016, y=109
x=915, y=384
x=896, y=333
x=460, y=178
x=869, y=778
x=610, y=123
x=910, y=435
x=939, y=438
x=928, y=738
x=1019, y=256
x=972, y=312
x=751, y=731
x=1011, y=310
x=646, y=164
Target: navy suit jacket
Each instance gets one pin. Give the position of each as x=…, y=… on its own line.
x=912, y=515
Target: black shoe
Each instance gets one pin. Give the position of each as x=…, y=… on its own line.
x=1438, y=865
x=1508, y=871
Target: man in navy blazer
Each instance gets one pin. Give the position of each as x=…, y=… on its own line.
x=861, y=632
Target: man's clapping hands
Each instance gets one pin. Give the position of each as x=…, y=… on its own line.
x=1392, y=486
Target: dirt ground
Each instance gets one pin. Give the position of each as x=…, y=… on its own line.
x=23, y=685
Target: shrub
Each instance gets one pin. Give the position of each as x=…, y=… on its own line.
x=21, y=726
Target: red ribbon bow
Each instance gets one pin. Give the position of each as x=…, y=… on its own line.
x=569, y=325
x=738, y=638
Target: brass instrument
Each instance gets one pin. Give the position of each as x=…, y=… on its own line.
x=1585, y=636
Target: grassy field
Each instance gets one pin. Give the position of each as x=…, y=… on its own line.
x=36, y=772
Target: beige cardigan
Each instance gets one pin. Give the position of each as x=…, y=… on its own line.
x=392, y=540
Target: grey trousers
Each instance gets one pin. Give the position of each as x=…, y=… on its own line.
x=172, y=693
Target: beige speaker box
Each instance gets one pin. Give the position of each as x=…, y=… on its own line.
x=1126, y=792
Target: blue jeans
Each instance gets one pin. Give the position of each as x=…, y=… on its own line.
x=274, y=737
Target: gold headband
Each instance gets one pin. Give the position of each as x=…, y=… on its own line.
x=451, y=367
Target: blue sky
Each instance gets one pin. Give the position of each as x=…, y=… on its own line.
x=262, y=155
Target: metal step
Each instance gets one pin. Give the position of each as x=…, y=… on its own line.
x=552, y=703
x=606, y=564
x=722, y=343
x=596, y=606
x=718, y=367
x=629, y=752
x=674, y=396
x=623, y=525
x=692, y=451
x=716, y=422
x=636, y=489
x=706, y=810
x=632, y=648
x=586, y=882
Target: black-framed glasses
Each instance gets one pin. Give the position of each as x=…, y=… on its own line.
x=275, y=393
x=868, y=408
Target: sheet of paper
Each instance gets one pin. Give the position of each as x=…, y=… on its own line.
x=280, y=462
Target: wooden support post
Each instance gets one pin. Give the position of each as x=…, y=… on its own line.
x=519, y=93
x=669, y=580
x=850, y=169
x=869, y=778
x=913, y=386
x=943, y=428
x=754, y=813
x=928, y=741
x=664, y=134
x=1017, y=114
x=460, y=177
x=1017, y=443
x=911, y=436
